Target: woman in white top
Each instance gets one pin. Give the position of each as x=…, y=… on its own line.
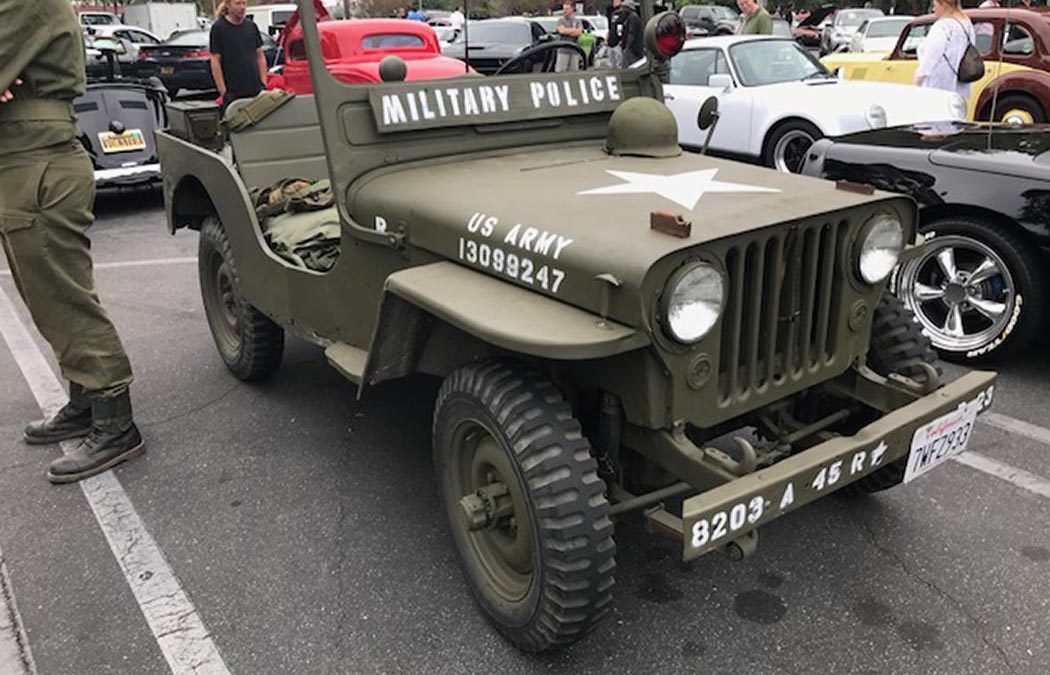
x=942, y=50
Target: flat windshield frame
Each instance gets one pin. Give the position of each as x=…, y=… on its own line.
x=740, y=54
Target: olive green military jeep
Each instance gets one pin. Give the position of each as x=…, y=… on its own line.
x=605, y=311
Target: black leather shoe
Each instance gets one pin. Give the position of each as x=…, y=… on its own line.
x=100, y=451
x=68, y=422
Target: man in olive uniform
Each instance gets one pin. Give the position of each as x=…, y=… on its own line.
x=47, y=192
x=756, y=19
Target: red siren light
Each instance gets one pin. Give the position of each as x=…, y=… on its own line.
x=670, y=34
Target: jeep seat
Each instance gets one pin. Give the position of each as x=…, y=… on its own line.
x=286, y=143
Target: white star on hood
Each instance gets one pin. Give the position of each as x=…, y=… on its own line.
x=684, y=189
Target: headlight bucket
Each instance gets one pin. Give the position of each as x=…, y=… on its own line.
x=693, y=301
x=875, y=116
x=879, y=247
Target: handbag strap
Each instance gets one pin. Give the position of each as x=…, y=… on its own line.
x=968, y=44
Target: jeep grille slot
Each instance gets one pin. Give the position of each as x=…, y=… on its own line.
x=783, y=291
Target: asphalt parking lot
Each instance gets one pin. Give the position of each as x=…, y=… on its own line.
x=303, y=532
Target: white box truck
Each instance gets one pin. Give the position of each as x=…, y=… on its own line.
x=162, y=18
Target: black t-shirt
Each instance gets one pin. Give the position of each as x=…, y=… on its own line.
x=631, y=40
x=236, y=44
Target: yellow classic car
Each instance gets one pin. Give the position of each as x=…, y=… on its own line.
x=1015, y=44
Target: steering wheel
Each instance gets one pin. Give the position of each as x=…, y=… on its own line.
x=548, y=50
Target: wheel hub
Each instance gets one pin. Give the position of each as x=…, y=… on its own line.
x=961, y=291
x=955, y=293
x=489, y=507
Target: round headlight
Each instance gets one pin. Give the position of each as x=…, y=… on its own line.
x=880, y=247
x=876, y=116
x=958, y=107
x=694, y=299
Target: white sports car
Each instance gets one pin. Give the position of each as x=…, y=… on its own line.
x=775, y=99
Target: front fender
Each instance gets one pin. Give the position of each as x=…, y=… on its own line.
x=496, y=313
x=511, y=317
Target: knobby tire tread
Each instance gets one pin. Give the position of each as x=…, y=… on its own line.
x=577, y=551
x=262, y=340
x=897, y=345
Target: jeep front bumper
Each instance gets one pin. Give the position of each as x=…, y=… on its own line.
x=716, y=517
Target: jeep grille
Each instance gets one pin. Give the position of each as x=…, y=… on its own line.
x=783, y=291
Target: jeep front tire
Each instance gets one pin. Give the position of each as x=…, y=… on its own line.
x=527, y=508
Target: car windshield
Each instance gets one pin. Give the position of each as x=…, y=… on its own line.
x=197, y=38
x=887, y=28
x=760, y=62
x=549, y=23
x=279, y=18
x=505, y=32
x=851, y=18
x=97, y=20
x=599, y=22
x=724, y=13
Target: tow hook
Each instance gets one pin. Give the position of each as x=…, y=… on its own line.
x=741, y=547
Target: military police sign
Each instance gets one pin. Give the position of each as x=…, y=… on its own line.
x=404, y=107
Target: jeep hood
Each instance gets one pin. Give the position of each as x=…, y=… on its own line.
x=581, y=213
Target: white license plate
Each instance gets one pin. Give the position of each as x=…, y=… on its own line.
x=130, y=140
x=940, y=440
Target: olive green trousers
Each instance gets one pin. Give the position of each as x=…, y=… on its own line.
x=46, y=201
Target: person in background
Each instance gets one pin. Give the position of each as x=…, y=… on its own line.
x=616, y=16
x=632, y=39
x=456, y=19
x=569, y=29
x=238, y=64
x=942, y=50
x=417, y=15
x=756, y=19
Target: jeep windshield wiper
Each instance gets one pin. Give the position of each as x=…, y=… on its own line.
x=816, y=73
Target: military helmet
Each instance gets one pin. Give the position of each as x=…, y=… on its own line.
x=643, y=127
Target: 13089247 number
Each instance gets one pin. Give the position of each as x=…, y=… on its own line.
x=517, y=267
x=727, y=522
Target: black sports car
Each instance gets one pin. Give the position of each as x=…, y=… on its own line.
x=981, y=284
x=494, y=42
x=117, y=118
x=184, y=62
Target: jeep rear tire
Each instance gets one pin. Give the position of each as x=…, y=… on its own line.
x=898, y=345
x=250, y=344
x=527, y=509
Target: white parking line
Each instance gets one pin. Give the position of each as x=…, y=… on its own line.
x=15, y=657
x=1013, y=475
x=1016, y=426
x=183, y=639
x=153, y=262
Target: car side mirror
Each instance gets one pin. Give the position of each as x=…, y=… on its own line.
x=723, y=81
x=546, y=37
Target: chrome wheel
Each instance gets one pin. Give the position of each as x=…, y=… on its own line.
x=961, y=291
x=789, y=152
